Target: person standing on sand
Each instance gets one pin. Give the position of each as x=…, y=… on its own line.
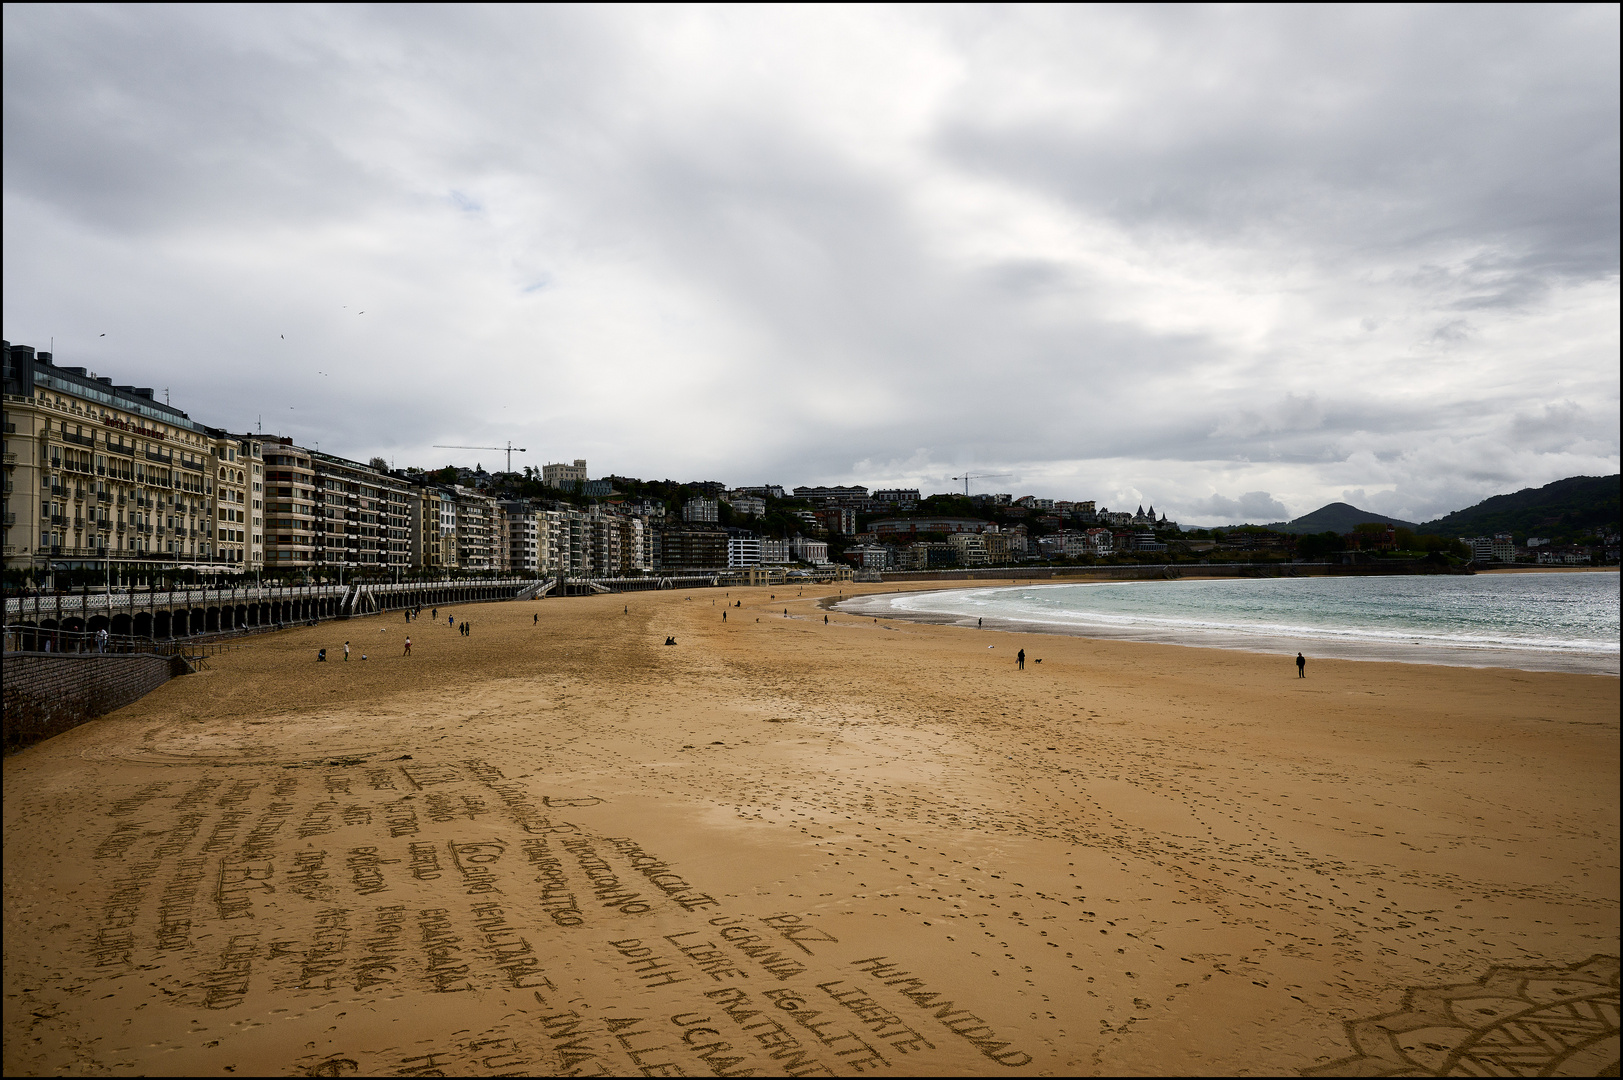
x=346, y=652
x=408, y=645
x=435, y=614
x=723, y=616
x=1020, y=658
x=535, y=620
x=1301, y=666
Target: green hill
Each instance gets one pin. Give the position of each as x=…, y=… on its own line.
x=1337, y=517
x=1563, y=511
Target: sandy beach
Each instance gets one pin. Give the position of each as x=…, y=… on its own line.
x=785, y=847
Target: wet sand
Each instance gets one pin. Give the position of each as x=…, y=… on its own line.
x=866, y=847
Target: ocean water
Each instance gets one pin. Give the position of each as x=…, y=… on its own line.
x=1537, y=622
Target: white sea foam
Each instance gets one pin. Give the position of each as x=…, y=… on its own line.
x=1564, y=622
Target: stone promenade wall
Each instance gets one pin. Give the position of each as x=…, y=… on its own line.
x=47, y=694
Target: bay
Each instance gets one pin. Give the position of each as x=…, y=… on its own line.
x=1532, y=621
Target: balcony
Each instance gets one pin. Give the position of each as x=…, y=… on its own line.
x=82, y=440
x=102, y=496
x=121, y=448
x=165, y=459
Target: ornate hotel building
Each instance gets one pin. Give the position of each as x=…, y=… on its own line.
x=106, y=481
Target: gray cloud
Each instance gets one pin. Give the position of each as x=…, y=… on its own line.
x=1253, y=506
x=1118, y=253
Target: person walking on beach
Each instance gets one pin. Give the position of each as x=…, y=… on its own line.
x=434, y=614
x=346, y=652
x=1020, y=658
x=408, y=645
x=536, y=619
x=1301, y=666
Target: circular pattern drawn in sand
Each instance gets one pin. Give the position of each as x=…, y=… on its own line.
x=1546, y=1021
x=240, y=746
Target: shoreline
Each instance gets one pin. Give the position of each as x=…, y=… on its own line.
x=1473, y=657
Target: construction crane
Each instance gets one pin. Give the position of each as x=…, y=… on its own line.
x=510, y=448
x=967, y=477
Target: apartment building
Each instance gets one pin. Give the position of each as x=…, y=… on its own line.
x=356, y=508
x=701, y=511
x=477, y=531
x=521, y=537
x=968, y=548
x=239, y=501
x=897, y=499
x=743, y=549
x=838, y=519
x=431, y=517
x=997, y=547
x=871, y=556
x=747, y=505
x=102, y=478
x=681, y=546
x=290, y=508
x=852, y=494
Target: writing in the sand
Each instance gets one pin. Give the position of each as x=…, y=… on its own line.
x=961, y=1022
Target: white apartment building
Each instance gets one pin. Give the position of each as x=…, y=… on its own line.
x=743, y=551
x=777, y=552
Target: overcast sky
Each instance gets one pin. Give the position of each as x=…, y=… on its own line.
x=1235, y=263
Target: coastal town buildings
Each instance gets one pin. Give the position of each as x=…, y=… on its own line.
x=103, y=478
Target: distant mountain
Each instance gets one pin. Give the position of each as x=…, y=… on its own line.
x=1337, y=517
x=1564, y=510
